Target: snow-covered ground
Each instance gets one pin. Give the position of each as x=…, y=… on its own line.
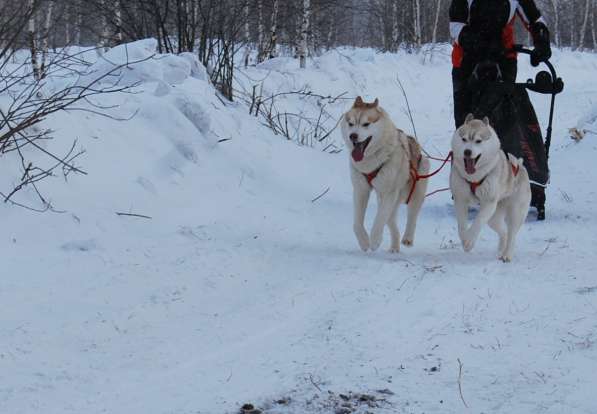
x=241, y=289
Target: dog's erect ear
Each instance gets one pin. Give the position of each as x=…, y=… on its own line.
x=486, y=121
x=359, y=103
x=469, y=118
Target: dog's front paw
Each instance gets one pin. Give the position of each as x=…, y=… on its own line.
x=408, y=241
x=506, y=258
x=468, y=243
x=502, y=247
x=364, y=244
x=468, y=240
x=394, y=249
x=362, y=238
x=376, y=239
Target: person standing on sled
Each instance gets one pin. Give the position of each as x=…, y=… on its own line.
x=483, y=31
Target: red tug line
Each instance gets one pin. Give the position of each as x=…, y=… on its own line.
x=416, y=177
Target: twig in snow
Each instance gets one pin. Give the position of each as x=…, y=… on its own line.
x=460, y=382
x=133, y=215
x=321, y=195
x=409, y=112
x=220, y=99
x=314, y=383
x=549, y=242
x=566, y=197
x=403, y=283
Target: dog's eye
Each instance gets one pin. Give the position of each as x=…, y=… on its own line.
x=350, y=124
x=478, y=141
x=463, y=139
x=366, y=124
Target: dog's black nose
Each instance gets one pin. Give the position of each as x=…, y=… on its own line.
x=468, y=153
x=354, y=137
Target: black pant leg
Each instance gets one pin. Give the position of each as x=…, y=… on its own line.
x=462, y=95
x=509, y=68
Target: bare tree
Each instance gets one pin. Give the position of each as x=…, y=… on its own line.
x=418, y=38
x=32, y=35
x=273, y=42
x=556, y=25
x=303, y=47
x=247, y=34
x=436, y=22
x=583, y=29
x=260, y=32
x=594, y=36
x=45, y=44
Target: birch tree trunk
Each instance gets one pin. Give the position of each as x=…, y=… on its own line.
x=417, y=12
x=304, y=34
x=593, y=26
x=572, y=37
x=273, y=42
x=260, y=30
x=583, y=30
x=45, y=43
x=247, y=35
x=395, y=32
x=556, y=29
x=331, y=32
x=105, y=34
x=436, y=22
x=67, y=25
x=384, y=40
x=31, y=34
x=78, y=24
x=118, y=14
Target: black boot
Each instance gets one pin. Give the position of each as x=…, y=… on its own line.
x=538, y=200
x=541, y=212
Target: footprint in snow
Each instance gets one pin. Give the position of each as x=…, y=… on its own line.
x=147, y=185
x=80, y=246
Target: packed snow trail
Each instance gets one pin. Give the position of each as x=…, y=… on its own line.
x=241, y=289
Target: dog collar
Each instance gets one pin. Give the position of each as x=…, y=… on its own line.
x=475, y=184
x=371, y=176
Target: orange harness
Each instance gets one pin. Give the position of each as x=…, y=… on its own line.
x=475, y=184
x=414, y=174
x=371, y=176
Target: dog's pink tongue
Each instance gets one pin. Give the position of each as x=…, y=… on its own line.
x=469, y=165
x=358, y=152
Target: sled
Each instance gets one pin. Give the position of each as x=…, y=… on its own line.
x=511, y=113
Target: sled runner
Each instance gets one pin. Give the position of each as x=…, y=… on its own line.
x=511, y=113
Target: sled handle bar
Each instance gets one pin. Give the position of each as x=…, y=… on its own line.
x=557, y=86
x=526, y=51
x=544, y=83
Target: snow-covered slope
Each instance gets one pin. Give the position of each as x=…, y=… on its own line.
x=242, y=289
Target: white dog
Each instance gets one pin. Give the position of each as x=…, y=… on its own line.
x=482, y=173
x=387, y=160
